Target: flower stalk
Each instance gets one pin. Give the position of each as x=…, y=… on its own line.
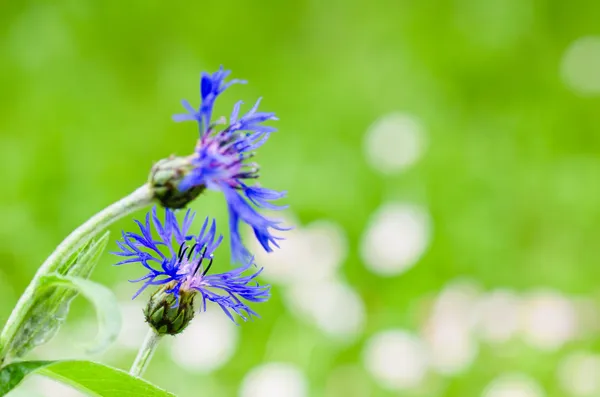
x=145, y=353
x=138, y=199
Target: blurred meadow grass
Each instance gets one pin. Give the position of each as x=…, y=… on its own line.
x=508, y=176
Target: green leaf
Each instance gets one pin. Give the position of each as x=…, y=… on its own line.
x=104, y=301
x=52, y=303
x=88, y=258
x=89, y=377
x=82, y=262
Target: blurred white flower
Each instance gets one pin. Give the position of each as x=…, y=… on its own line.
x=452, y=349
x=274, y=380
x=207, y=343
x=394, y=142
x=395, y=239
x=447, y=333
x=134, y=327
x=331, y=305
x=396, y=359
x=513, y=385
x=548, y=320
x=588, y=316
x=578, y=374
x=310, y=253
x=581, y=65
x=497, y=316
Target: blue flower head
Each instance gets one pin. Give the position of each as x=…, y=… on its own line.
x=221, y=162
x=180, y=261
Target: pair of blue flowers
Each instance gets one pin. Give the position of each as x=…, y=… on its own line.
x=180, y=261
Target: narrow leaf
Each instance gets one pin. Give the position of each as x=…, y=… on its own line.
x=104, y=301
x=89, y=377
x=52, y=303
x=82, y=262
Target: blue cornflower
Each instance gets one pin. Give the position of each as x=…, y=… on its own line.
x=180, y=262
x=220, y=162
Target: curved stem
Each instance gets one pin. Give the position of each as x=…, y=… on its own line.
x=145, y=353
x=136, y=200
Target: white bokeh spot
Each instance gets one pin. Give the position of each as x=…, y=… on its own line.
x=134, y=327
x=326, y=242
x=578, y=374
x=448, y=331
x=497, y=316
x=548, y=320
x=207, y=343
x=581, y=65
x=311, y=253
x=274, y=380
x=513, y=385
x=396, y=359
x=396, y=238
x=333, y=306
x=394, y=142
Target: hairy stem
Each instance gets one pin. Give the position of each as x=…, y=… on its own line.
x=93, y=226
x=145, y=353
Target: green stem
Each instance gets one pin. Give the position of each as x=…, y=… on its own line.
x=136, y=200
x=145, y=353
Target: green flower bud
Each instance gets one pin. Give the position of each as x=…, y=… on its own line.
x=164, y=179
x=166, y=318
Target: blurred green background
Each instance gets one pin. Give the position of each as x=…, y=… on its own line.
x=441, y=162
